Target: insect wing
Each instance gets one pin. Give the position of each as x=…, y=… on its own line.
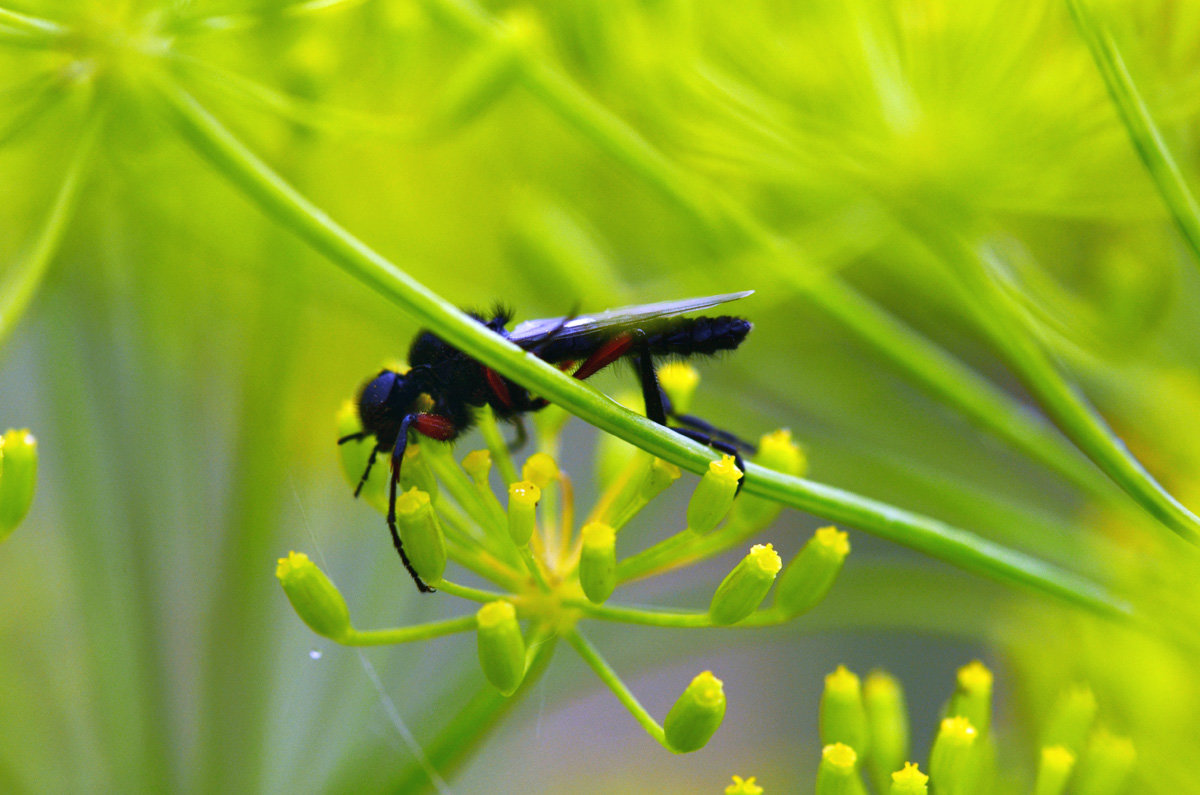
x=564, y=328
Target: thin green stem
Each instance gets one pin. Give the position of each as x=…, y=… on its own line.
x=490, y=430
x=1069, y=409
x=656, y=556
x=634, y=615
x=467, y=592
x=31, y=25
x=610, y=677
x=1143, y=132
x=281, y=201
x=27, y=276
x=535, y=571
x=389, y=637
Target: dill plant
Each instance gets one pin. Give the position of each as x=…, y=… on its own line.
x=974, y=240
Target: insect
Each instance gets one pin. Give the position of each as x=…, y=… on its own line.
x=438, y=395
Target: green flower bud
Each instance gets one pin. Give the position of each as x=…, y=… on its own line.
x=742, y=786
x=679, y=380
x=972, y=697
x=714, y=495
x=598, y=561
x=811, y=573
x=1054, y=770
x=415, y=472
x=697, y=714
x=838, y=772
x=501, y=647
x=313, y=596
x=659, y=475
x=540, y=469
x=18, y=476
x=950, y=761
x=744, y=588
x=523, y=498
x=477, y=464
x=1071, y=719
x=421, y=532
x=775, y=451
x=843, y=716
x=1106, y=766
x=887, y=726
x=909, y=781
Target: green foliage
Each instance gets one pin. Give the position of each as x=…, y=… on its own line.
x=972, y=236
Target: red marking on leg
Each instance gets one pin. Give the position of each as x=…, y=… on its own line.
x=499, y=388
x=435, y=426
x=608, y=353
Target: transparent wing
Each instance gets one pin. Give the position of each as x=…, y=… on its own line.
x=532, y=332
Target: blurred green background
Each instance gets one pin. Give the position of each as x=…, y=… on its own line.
x=183, y=358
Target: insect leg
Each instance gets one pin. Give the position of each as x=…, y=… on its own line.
x=366, y=472
x=658, y=408
x=397, y=457
x=522, y=436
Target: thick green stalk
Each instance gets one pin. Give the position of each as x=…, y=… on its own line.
x=281, y=201
x=1143, y=132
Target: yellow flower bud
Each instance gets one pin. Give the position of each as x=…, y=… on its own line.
x=598, y=561
x=679, y=380
x=909, y=781
x=811, y=573
x=887, y=726
x=523, y=498
x=314, y=597
x=1054, y=770
x=540, y=469
x=501, y=647
x=714, y=495
x=950, y=761
x=421, y=532
x=843, y=716
x=696, y=715
x=744, y=588
x=838, y=772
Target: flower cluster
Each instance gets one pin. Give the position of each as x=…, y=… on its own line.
x=551, y=576
x=865, y=730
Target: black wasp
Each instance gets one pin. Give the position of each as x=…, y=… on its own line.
x=443, y=386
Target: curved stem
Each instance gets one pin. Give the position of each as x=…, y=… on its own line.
x=1143, y=132
x=610, y=677
x=281, y=201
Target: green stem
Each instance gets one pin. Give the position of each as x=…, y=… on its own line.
x=467, y=592
x=281, y=201
x=633, y=615
x=26, y=277
x=490, y=430
x=31, y=25
x=656, y=556
x=389, y=637
x=613, y=680
x=1069, y=409
x=1143, y=132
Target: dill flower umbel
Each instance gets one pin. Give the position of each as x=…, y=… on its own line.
x=551, y=576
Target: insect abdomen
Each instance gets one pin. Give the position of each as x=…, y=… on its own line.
x=698, y=335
